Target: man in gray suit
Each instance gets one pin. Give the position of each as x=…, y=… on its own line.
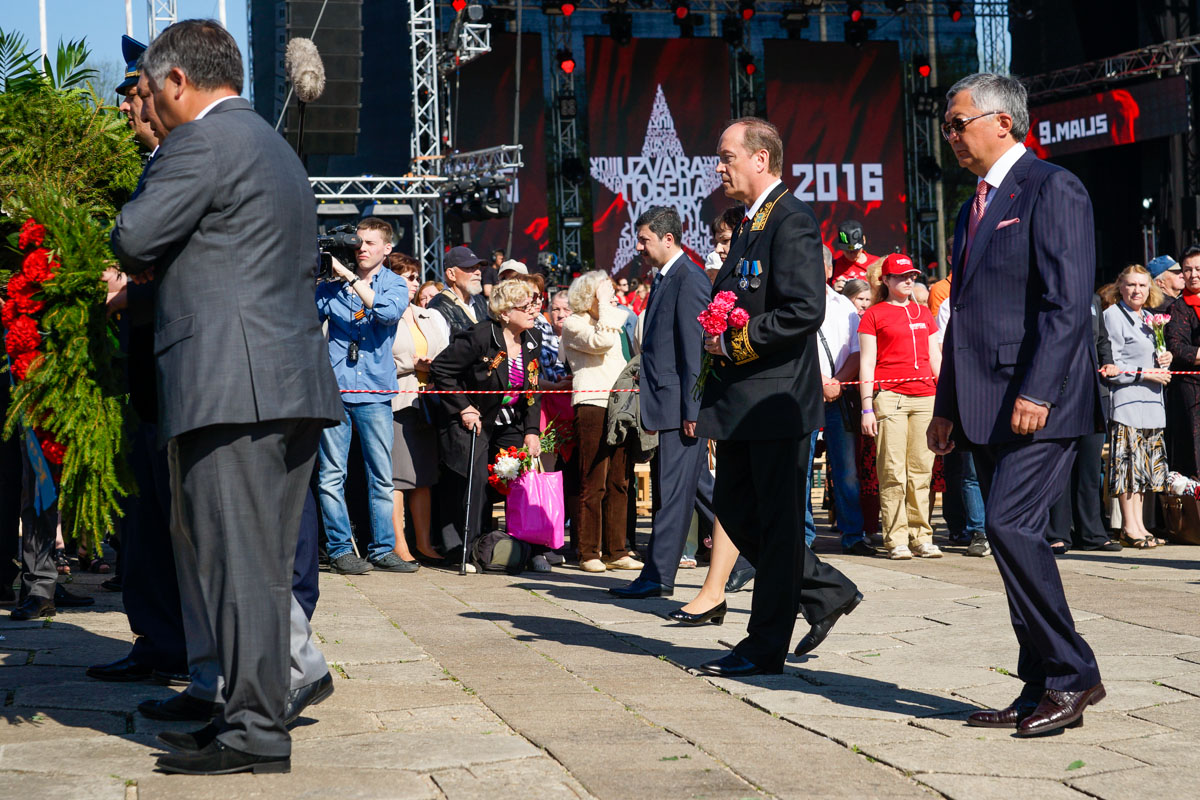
x=226, y=218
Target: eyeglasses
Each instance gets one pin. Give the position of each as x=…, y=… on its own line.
x=536, y=300
x=957, y=126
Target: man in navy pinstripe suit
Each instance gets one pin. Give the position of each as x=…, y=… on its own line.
x=1018, y=384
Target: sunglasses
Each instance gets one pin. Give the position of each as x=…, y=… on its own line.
x=957, y=126
x=536, y=300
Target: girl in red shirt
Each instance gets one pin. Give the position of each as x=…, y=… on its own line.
x=899, y=363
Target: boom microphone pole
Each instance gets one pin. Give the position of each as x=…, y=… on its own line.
x=307, y=75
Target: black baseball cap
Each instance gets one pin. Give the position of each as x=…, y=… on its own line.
x=461, y=257
x=850, y=236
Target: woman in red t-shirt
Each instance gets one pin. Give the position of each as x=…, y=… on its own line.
x=897, y=345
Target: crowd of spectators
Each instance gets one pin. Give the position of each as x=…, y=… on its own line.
x=880, y=355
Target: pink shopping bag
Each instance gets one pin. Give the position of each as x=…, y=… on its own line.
x=534, y=510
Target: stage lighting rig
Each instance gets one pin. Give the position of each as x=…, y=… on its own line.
x=572, y=171
x=566, y=61
x=568, y=107
x=746, y=63
x=858, y=31
x=929, y=102
x=680, y=9
x=921, y=65
x=854, y=10
x=794, y=19
x=929, y=168
x=746, y=9
x=955, y=7
x=619, y=22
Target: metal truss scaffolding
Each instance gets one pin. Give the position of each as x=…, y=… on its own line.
x=569, y=199
x=426, y=131
x=992, y=30
x=1152, y=61
x=923, y=154
x=161, y=14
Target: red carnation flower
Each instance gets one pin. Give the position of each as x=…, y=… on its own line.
x=54, y=451
x=25, y=362
x=9, y=313
x=739, y=318
x=37, y=266
x=23, y=336
x=21, y=290
x=32, y=234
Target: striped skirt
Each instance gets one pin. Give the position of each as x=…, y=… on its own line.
x=1137, y=460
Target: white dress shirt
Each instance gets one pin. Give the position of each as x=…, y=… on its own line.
x=999, y=171
x=840, y=329
x=213, y=105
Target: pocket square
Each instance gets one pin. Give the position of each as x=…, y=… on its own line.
x=1007, y=222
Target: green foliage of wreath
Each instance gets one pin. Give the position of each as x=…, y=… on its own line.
x=68, y=161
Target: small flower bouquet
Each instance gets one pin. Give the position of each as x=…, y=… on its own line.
x=512, y=463
x=721, y=315
x=1158, y=324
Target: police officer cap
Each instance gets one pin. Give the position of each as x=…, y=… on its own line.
x=131, y=51
x=850, y=236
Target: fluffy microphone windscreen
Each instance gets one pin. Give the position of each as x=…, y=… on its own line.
x=304, y=69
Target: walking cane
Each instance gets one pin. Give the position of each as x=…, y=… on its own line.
x=462, y=569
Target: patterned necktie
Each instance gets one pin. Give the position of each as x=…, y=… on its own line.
x=977, y=207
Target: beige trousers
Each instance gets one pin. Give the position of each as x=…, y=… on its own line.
x=904, y=464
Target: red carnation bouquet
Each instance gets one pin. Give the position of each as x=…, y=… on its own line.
x=721, y=315
x=23, y=339
x=513, y=462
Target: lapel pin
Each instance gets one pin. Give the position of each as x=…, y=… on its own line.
x=1011, y=196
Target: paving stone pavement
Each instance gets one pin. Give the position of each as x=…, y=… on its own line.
x=543, y=686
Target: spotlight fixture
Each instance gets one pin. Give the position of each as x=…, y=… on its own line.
x=558, y=8
x=680, y=9
x=458, y=5
x=688, y=24
x=620, y=24
x=955, y=7
x=854, y=10
x=746, y=62
x=921, y=65
x=928, y=103
x=794, y=19
x=929, y=169
x=732, y=30
x=566, y=61
x=568, y=106
x=857, y=32
x=746, y=9
x=572, y=171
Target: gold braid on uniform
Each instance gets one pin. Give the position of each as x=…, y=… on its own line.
x=739, y=341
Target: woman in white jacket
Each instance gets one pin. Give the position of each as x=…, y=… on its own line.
x=595, y=345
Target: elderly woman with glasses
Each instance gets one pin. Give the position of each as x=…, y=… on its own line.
x=500, y=353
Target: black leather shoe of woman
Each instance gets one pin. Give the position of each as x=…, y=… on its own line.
x=715, y=615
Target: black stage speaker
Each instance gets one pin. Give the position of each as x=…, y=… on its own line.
x=330, y=123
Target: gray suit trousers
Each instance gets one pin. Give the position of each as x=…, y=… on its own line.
x=238, y=493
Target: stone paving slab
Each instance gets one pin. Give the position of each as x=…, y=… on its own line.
x=977, y=787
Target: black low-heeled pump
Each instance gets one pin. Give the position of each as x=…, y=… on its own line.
x=715, y=615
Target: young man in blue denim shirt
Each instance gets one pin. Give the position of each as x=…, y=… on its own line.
x=362, y=309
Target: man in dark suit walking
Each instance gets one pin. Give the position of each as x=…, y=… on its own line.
x=764, y=400
x=227, y=221
x=1018, y=384
x=672, y=346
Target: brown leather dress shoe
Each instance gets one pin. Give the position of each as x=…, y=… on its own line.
x=1009, y=717
x=1060, y=710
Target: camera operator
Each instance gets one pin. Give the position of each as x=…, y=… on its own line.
x=362, y=308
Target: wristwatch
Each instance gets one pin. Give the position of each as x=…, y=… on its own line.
x=352, y=281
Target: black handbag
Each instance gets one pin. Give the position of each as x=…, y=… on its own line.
x=849, y=403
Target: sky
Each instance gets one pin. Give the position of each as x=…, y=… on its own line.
x=102, y=22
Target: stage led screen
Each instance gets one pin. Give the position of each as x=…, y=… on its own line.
x=840, y=112
x=483, y=117
x=1121, y=116
x=655, y=112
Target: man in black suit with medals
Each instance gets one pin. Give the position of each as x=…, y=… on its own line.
x=763, y=401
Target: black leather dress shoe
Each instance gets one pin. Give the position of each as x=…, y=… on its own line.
x=738, y=579
x=1060, y=710
x=32, y=608
x=1009, y=717
x=65, y=599
x=305, y=696
x=168, y=678
x=122, y=671
x=192, y=742
x=112, y=584
x=641, y=588
x=715, y=615
x=735, y=666
x=217, y=759
x=183, y=707
x=817, y=633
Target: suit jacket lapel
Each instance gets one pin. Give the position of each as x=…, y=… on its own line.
x=1004, y=196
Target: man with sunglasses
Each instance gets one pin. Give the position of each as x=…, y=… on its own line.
x=1018, y=386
